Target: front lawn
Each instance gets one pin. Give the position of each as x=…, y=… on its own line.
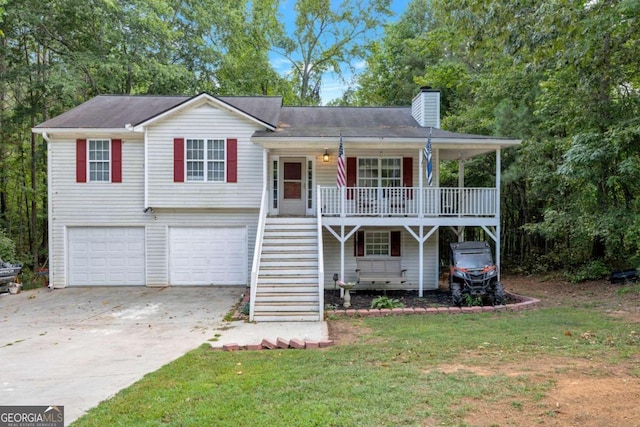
x=397, y=371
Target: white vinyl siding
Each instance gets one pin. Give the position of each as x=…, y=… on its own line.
x=73, y=205
x=409, y=260
x=204, y=122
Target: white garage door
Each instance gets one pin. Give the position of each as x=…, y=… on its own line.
x=208, y=255
x=106, y=256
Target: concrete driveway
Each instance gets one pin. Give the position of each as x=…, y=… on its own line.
x=78, y=346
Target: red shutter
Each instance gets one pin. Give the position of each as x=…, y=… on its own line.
x=358, y=247
x=232, y=160
x=395, y=243
x=352, y=175
x=116, y=160
x=81, y=160
x=178, y=160
x=407, y=175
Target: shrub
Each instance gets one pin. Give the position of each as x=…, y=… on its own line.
x=386, y=302
x=592, y=270
x=7, y=248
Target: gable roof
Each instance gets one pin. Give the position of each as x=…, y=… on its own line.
x=118, y=111
x=291, y=123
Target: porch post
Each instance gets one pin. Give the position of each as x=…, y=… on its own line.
x=460, y=232
x=420, y=190
x=421, y=262
x=498, y=237
x=342, y=252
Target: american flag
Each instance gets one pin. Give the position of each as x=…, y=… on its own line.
x=427, y=158
x=342, y=178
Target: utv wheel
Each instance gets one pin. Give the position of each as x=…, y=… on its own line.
x=498, y=295
x=456, y=294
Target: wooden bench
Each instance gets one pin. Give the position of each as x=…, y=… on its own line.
x=379, y=273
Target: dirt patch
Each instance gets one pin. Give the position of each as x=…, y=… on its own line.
x=586, y=393
x=347, y=332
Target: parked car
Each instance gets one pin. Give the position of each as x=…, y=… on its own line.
x=474, y=273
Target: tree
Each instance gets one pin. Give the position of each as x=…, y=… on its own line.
x=324, y=40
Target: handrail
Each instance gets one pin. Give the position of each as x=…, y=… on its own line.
x=408, y=201
x=320, y=257
x=257, y=250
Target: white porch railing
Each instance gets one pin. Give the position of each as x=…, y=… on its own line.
x=408, y=201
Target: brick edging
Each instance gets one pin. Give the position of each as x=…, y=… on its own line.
x=523, y=303
x=279, y=344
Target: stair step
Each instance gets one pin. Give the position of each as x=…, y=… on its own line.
x=290, y=267
x=291, y=220
x=277, y=297
x=274, y=276
x=300, y=252
x=285, y=289
x=280, y=307
x=287, y=250
x=287, y=317
x=299, y=241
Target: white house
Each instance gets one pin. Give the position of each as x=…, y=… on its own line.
x=205, y=190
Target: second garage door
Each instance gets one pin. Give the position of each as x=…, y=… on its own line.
x=208, y=255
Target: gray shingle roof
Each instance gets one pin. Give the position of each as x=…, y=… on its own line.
x=113, y=111
x=366, y=122
x=116, y=111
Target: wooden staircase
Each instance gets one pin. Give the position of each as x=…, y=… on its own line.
x=287, y=286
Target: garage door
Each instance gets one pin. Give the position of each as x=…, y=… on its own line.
x=208, y=255
x=106, y=256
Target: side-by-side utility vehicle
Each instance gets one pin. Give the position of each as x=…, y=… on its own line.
x=473, y=273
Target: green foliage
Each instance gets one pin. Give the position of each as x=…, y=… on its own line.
x=384, y=301
x=471, y=300
x=326, y=39
x=7, y=248
x=592, y=270
x=246, y=308
x=568, y=86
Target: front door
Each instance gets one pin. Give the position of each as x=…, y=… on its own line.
x=293, y=195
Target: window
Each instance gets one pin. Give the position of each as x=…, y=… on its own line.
x=205, y=160
x=377, y=243
x=99, y=160
x=385, y=172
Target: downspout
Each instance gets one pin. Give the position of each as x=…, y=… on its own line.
x=46, y=137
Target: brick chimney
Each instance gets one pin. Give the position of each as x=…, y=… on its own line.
x=425, y=107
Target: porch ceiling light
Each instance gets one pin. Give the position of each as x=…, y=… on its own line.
x=325, y=156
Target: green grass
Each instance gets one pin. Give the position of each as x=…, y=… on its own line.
x=390, y=377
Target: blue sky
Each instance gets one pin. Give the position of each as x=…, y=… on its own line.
x=331, y=87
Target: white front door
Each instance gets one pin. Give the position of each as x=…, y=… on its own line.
x=293, y=178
